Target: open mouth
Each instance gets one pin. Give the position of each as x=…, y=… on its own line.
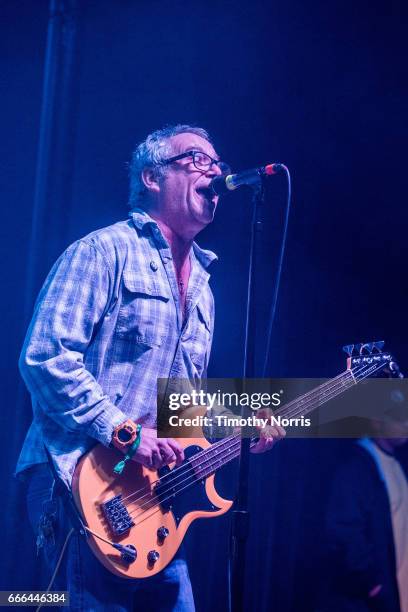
x=207, y=193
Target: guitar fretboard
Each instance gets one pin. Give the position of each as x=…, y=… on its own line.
x=222, y=452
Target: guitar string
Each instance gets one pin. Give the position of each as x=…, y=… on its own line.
x=180, y=468
x=284, y=408
x=304, y=408
x=187, y=482
x=355, y=379
x=145, y=515
x=212, y=462
x=220, y=442
x=193, y=478
x=184, y=468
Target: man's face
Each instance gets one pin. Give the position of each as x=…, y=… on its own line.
x=185, y=198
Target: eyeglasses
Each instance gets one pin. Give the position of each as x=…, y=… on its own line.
x=201, y=161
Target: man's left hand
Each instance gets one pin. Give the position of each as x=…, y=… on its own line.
x=268, y=437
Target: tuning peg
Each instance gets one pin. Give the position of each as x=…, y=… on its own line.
x=394, y=369
x=364, y=346
x=349, y=349
x=379, y=345
x=359, y=348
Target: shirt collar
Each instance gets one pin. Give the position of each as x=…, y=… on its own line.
x=204, y=256
x=140, y=218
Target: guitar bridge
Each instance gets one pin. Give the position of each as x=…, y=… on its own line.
x=119, y=519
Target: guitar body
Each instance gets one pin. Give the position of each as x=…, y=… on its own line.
x=95, y=483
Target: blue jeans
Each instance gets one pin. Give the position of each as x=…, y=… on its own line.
x=90, y=585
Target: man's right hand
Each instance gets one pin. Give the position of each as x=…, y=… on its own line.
x=154, y=452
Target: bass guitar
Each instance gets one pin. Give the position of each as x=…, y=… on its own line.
x=136, y=521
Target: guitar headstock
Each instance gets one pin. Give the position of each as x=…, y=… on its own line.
x=369, y=359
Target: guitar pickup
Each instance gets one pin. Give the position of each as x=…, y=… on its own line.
x=118, y=518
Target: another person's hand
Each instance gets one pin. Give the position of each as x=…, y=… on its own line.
x=154, y=452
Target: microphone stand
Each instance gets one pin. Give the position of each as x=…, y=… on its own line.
x=240, y=514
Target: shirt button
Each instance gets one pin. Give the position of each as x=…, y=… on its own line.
x=154, y=266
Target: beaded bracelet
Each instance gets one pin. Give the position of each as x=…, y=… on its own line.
x=119, y=467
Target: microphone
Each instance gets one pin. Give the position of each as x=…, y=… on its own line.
x=223, y=184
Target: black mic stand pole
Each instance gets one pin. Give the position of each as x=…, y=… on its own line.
x=240, y=515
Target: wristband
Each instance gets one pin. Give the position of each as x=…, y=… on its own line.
x=119, y=467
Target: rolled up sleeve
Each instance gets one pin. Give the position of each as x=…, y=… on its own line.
x=72, y=303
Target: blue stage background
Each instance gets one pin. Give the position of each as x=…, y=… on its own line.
x=319, y=86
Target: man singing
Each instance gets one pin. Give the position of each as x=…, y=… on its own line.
x=122, y=307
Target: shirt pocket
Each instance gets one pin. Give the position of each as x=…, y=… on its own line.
x=143, y=316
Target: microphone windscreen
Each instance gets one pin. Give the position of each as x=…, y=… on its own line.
x=219, y=185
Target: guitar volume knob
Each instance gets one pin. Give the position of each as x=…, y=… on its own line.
x=152, y=556
x=162, y=533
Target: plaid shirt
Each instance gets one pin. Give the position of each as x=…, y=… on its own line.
x=106, y=325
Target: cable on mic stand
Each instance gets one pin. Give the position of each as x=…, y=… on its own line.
x=278, y=273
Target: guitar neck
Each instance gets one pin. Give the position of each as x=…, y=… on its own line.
x=222, y=452
x=317, y=397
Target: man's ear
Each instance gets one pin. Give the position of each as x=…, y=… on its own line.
x=150, y=179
